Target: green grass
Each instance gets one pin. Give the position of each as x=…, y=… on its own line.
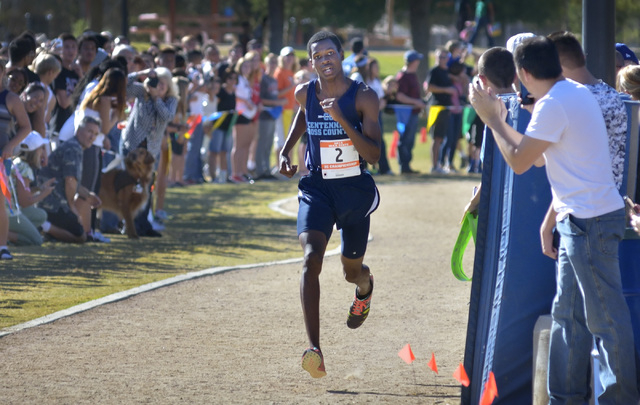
x=213, y=225
x=390, y=62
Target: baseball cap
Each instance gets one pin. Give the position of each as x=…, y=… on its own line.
x=32, y=142
x=287, y=50
x=412, y=55
x=627, y=53
x=514, y=41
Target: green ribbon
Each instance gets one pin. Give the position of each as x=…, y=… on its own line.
x=468, y=116
x=467, y=231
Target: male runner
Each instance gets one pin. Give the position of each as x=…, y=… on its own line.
x=341, y=118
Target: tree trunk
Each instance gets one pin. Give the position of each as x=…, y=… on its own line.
x=276, y=25
x=421, y=32
x=95, y=15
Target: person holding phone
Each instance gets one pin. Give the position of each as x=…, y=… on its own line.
x=567, y=129
x=23, y=225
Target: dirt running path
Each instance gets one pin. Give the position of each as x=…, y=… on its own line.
x=237, y=338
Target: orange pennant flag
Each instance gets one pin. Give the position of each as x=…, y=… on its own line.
x=461, y=375
x=193, y=121
x=4, y=186
x=432, y=363
x=423, y=135
x=490, y=391
x=394, y=144
x=406, y=354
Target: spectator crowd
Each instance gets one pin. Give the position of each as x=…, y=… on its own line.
x=73, y=108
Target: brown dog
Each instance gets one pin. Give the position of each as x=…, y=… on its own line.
x=126, y=191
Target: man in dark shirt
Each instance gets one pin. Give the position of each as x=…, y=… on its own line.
x=439, y=84
x=22, y=52
x=66, y=82
x=484, y=21
x=65, y=165
x=409, y=93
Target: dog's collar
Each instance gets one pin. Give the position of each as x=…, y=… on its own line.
x=124, y=179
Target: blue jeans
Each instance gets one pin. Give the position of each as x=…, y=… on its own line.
x=383, y=163
x=454, y=133
x=406, y=142
x=589, y=305
x=482, y=22
x=193, y=163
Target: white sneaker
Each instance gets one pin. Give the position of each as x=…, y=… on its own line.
x=157, y=225
x=96, y=236
x=161, y=215
x=222, y=177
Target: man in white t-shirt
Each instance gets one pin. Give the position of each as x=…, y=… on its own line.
x=568, y=130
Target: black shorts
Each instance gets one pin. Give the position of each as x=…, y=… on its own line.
x=242, y=120
x=67, y=221
x=176, y=147
x=91, y=164
x=347, y=203
x=441, y=126
x=476, y=132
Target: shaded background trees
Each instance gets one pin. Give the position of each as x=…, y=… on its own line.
x=291, y=22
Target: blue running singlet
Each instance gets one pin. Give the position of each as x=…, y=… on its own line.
x=329, y=150
x=338, y=190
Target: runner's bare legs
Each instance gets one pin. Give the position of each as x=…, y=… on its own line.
x=357, y=273
x=314, y=244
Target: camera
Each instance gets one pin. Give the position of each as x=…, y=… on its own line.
x=153, y=81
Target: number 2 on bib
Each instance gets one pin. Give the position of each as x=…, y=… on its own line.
x=339, y=159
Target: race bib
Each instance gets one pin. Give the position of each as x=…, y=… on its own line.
x=339, y=159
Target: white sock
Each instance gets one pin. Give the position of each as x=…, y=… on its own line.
x=46, y=226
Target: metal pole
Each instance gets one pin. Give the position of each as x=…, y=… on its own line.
x=598, y=38
x=172, y=20
x=390, y=18
x=125, y=18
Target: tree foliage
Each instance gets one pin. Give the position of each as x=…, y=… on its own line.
x=331, y=13
x=543, y=12
x=364, y=14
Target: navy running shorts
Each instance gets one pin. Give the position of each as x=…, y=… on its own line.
x=347, y=203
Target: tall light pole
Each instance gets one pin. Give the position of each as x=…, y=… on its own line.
x=598, y=38
x=125, y=18
x=389, y=7
x=172, y=20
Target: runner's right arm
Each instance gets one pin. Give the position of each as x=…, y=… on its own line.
x=298, y=128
